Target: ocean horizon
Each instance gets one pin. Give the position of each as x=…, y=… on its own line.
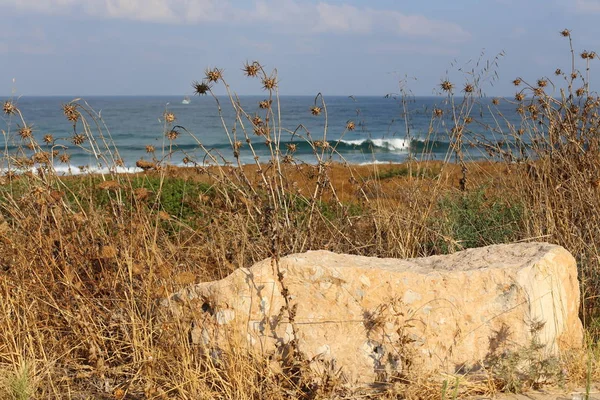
x=386, y=129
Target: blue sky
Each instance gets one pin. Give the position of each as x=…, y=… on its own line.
x=337, y=47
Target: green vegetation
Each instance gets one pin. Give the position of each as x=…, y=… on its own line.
x=18, y=384
x=406, y=171
x=473, y=219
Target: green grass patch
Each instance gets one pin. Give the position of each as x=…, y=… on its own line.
x=176, y=196
x=474, y=219
x=405, y=171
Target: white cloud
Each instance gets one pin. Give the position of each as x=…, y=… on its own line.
x=583, y=6
x=45, y=6
x=298, y=15
x=344, y=19
x=419, y=25
x=347, y=19
x=144, y=10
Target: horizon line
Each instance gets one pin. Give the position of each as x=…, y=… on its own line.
x=390, y=95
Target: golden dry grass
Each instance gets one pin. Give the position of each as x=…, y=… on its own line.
x=84, y=260
x=81, y=278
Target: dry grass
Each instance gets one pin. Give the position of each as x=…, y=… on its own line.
x=85, y=259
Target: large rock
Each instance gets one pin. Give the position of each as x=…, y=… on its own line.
x=372, y=318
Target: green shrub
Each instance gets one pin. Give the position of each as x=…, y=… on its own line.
x=473, y=219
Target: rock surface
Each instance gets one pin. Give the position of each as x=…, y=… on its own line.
x=372, y=318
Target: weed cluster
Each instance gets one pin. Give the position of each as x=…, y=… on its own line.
x=84, y=259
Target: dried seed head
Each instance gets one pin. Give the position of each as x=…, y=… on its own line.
x=265, y=104
x=468, y=120
x=438, y=112
x=580, y=91
x=169, y=117
x=48, y=138
x=145, y=165
x=565, y=33
x=520, y=96
x=446, y=86
x=538, y=91
x=251, y=70
x=31, y=145
x=23, y=162
x=109, y=186
x=150, y=149
x=70, y=111
x=585, y=54
x=558, y=71
x=291, y=147
x=25, y=132
x=78, y=139
x=323, y=144
x=287, y=159
x=236, y=148
x=458, y=129
x=172, y=134
x=517, y=81
x=257, y=120
x=574, y=109
x=573, y=75
x=269, y=83
x=315, y=110
x=186, y=160
x=41, y=157
x=200, y=88
x=542, y=83
x=260, y=130
x=213, y=75
x=64, y=158
x=119, y=162
x=9, y=107
x=350, y=125
x=495, y=101
x=469, y=88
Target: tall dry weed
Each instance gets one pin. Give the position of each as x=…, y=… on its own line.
x=84, y=259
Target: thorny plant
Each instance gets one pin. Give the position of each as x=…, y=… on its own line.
x=520, y=369
x=551, y=154
x=84, y=259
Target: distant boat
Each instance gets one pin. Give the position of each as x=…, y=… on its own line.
x=186, y=100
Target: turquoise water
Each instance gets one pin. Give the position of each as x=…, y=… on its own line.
x=383, y=132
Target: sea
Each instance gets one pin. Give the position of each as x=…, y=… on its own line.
x=383, y=129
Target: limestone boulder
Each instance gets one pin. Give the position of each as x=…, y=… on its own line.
x=373, y=318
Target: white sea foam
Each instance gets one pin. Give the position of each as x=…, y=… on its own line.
x=62, y=170
x=377, y=162
x=390, y=144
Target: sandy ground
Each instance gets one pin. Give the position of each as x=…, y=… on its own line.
x=547, y=394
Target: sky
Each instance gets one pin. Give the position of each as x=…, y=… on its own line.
x=333, y=47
